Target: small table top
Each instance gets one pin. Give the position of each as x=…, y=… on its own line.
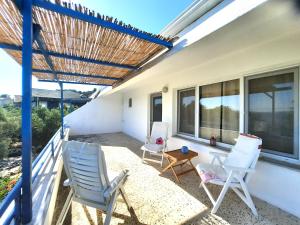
x=178, y=155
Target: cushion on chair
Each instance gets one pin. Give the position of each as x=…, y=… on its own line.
x=207, y=170
x=152, y=148
x=244, y=152
x=159, y=141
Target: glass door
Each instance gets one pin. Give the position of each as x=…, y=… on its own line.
x=156, y=108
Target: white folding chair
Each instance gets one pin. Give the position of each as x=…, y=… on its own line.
x=159, y=130
x=90, y=183
x=233, y=171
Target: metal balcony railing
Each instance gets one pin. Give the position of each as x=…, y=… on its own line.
x=10, y=208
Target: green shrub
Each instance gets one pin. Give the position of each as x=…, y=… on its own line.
x=6, y=184
x=4, y=147
x=45, y=123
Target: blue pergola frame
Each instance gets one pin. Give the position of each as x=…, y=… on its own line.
x=30, y=34
x=72, y=82
x=77, y=74
x=26, y=200
x=71, y=57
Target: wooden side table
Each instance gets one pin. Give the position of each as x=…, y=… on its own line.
x=177, y=158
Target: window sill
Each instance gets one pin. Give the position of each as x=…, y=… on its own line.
x=193, y=140
x=278, y=162
x=227, y=149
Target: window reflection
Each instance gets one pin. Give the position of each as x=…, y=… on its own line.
x=186, y=103
x=219, y=111
x=271, y=111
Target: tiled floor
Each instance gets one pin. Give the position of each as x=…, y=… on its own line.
x=157, y=199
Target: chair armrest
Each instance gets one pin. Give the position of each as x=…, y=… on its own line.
x=238, y=169
x=217, y=156
x=67, y=183
x=148, y=139
x=116, y=183
x=221, y=154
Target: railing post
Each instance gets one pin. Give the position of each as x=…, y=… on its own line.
x=18, y=209
x=26, y=198
x=61, y=109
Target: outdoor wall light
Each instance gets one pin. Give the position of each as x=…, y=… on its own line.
x=165, y=89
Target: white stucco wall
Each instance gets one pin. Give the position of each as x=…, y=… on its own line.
x=264, y=40
x=101, y=115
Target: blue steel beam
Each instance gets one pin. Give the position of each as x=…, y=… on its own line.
x=72, y=57
x=61, y=110
x=43, y=48
x=76, y=74
x=72, y=82
x=26, y=200
x=100, y=22
x=10, y=47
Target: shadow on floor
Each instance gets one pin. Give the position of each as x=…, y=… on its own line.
x=232, y=210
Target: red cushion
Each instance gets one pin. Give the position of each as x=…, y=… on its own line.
x=159, y=141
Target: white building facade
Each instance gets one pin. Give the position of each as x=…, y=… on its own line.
x=234, y=70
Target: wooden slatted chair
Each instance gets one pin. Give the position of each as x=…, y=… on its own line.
x=90, y=183
x=232, y=170
x=159, y=130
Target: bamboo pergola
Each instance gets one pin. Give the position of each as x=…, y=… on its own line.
x=65, y=43
x=73, y=44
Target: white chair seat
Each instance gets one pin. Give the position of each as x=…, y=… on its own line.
x=233, y=171
x=90, y=181
x=217, y=170
x=152, y=148
x=159, y=131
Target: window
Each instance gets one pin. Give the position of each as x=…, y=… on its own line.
x=130, y=102
x=186, y=111
x=272, y=111
x=219, y=111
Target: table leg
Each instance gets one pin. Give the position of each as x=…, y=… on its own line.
x=170, y=166
x=193, y=167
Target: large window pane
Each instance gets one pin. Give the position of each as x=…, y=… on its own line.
x=271, y=111
x=219, y=111
x=186, y=111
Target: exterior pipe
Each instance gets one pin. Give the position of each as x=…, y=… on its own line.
x=26, y=200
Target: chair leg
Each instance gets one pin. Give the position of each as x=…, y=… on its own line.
x=162, y=160
x=222, y=194
x=110, y=208
x=124, y=196
x=200, y=185
x=65, y=209
x=249, y=199
x=143, y=156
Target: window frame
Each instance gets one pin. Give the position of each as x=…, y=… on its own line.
x=219, y=143
x=275, y=155
x=178, y=112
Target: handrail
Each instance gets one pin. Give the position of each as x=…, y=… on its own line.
x=44, y=154
x=12, y=195
x=15, y=193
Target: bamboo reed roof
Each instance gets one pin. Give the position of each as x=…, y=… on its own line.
x=73, y=37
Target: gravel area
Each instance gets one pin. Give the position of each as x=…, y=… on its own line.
x=158, y=199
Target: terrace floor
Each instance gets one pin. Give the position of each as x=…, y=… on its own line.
x=158, y=199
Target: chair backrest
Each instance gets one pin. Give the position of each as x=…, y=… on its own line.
x=159, y=129
x=85, y=167
x=245, y=152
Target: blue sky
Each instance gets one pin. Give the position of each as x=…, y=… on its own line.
x=150, y=15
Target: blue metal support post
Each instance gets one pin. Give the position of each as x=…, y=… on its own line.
x=26, y=198
x=61, y=109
